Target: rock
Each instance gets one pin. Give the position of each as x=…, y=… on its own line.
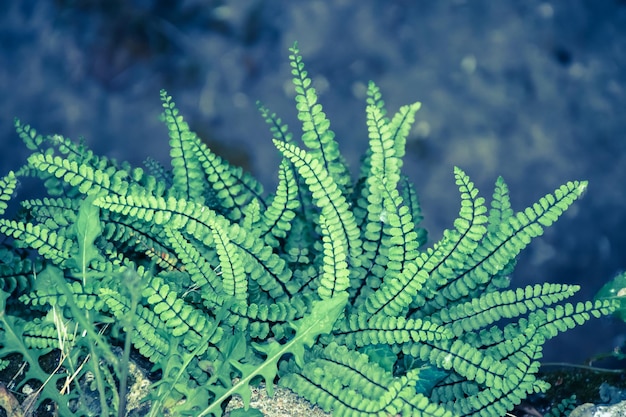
x=592, y=410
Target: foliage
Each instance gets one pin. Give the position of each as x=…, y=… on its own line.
x=615, y=289
x=326, y=284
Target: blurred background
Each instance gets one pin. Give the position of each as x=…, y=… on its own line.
x=534, y=91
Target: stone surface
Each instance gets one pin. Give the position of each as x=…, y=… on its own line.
x=591, y=410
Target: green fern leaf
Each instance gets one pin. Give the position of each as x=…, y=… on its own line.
x=7, y=188
x=86, y=179
x=560, y=318
x=279, y=130
x=409, y=197
x=272, y=273
x=186, y=169
x=56, y=214
x=372, y=391
x=192, y=162
x=47, y=292
x=327, y=197
x=276, y=220
x=200, y=270
x=234, y=280
x=316, y=133
x=159, y=172
x=360, y=330
x=150, y=338
x=29, y=136
x=181, y=319
x=334, y=277
x=493, y=306
x=45, y=334
x=48, y=243
x=17, y=275
x=501, y=209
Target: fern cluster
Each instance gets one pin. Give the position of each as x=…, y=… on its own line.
x=326, y=284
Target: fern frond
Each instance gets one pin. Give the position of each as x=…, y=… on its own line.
x=18, y=274
x=181, y=319
x=85, y=297
x=151, y=339
x=387, y=138
x=466, y=360
x=400, y=126
x=192, y=162
x=47, y=242
x=186, y=169
x=560, y=318
x=410, y=199
x=234, y=280
x=361, y=330
x=54, y=213
x=29, y=136
x=251, y=215
x=200, y=270
x=328, y=371
x=195, y=219
x=500, y=210
x=469, y=227
x=262, y=265
x=372, y=390
x=388, y=229
x=84, y=178
x=327, y=197
x=334, y=277
x=376, y=115
x=7, y=188
x=43, y=334
x=499, y=248
x=159, y=172
x=281, y=133
x=400, y=239
x=497, y=400
x=258, y=320
x=176, y=213
x=276, y=220
x=231, y=186
x=493, y=306
x=133, y=238
x=279, y=130
x=563, y=408
x=316, y=133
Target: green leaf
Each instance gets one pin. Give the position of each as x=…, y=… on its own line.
x=88, y=228
x=242, y=412
x=383, y=355
x=615, y=290
x=320, y=321
x=8, y=184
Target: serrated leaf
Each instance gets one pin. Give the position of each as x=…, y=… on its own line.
x=320, y=321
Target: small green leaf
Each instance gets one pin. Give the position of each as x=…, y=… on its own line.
x=250, y=412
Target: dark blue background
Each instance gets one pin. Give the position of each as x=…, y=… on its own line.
x=534, y=91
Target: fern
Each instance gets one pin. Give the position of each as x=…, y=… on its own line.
x=316, y=132
x=326, y=285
